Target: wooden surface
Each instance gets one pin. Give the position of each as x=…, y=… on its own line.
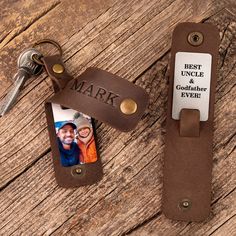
x=131, y=39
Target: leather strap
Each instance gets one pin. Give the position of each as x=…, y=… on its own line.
x=189, y=123
x=59, y=80
x=99, y=94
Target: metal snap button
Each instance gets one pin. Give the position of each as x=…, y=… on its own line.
x=128, y=106
x=195, y=38
x=58, y=68
x=78, y=171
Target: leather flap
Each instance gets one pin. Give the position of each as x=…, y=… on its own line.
x=105, y=97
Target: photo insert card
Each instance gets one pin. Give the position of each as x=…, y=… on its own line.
x=75, y=136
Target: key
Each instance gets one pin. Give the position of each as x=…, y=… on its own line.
x=26, y=68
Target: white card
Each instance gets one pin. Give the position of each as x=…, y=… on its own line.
x=192, y=78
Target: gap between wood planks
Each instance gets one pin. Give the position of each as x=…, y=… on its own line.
x=39, y=19
x=48, y=150
x=83, y=45
x=117, y=193
x=23, y=96
x=52, y=93
x=158, y=214
x=27, y=168
x=230, y=218
x=7, y=39
x=191, y=228
x=155, y=216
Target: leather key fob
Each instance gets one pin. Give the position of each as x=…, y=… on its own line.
x=189, y=127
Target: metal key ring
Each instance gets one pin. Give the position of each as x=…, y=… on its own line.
x=43, y=41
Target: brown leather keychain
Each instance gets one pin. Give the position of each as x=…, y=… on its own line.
x=189, y=127
x=95, y=93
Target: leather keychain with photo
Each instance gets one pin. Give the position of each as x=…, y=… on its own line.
x=189, y=127
x=94, y=94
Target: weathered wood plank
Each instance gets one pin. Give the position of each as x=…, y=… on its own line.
x=223, y=208
x=17, y=16
x=228, y=226
x=224, y=141
x=148, y=36
x=114, y=18
x=32, y=28
x=18, y=120
x=120, y=189
x=125, y=191
x=141, y=210
x=128, y=198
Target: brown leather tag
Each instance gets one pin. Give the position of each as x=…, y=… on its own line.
x=74, y=175
x=188, y=151
x=95, y=93
x=105, y=97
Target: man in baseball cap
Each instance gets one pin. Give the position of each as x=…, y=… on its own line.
x=69, y=150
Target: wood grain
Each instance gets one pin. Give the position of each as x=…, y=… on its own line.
x=131, y=39
x=153, y=50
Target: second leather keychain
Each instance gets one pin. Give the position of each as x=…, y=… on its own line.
x=189, y=127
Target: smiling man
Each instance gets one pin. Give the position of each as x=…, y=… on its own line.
x=69, y=150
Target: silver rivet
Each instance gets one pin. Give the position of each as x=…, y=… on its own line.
x=185, y=204
x=78, y=171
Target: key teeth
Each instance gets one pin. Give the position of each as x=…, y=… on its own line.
x=2, y=110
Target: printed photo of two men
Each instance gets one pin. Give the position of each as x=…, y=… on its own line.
x=75, y=136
